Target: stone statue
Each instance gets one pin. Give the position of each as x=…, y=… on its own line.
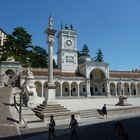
x=71, y=27
x=50, y=22
x=29, y=72
x=66, y=27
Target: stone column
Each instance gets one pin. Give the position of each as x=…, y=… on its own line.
x=108, y=88
x=129, y=89
x=78, y=89
x=88, y=94
x=50, y=41
x=116, y=89
x=61, y=89
x=70, y=89
x=136, y=88
x=42, y=90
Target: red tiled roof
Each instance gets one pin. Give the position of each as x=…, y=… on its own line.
x=56, y=72
x=124, y=74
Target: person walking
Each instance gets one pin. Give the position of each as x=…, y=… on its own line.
x=51, y=127
x=74, y=127
x=104, y=111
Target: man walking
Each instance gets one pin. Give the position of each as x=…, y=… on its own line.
x=73, y=126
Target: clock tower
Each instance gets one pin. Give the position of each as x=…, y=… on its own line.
x=67, y=50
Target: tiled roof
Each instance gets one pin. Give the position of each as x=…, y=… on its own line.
x=124, y=74
x=56, y=72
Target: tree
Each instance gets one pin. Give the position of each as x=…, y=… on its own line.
x=38, y=57
x=19, y=46
x=79, y=54
x=99, y=57
x=84, y=51
x=16, y=45
x=54, y=64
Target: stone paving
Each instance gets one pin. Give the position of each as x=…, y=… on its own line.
x=91, y=128
x=8, y=129
x=95, y=129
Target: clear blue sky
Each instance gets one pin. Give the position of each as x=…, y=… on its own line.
x=111, y=25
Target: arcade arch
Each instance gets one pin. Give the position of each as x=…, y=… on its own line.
x=133, y=89
x=98, y=84
x=58, y=89
x=112, y=89
x=38, y=85
x=138, y=88
x=74, y=89
x=126, y=89
x=66, y=89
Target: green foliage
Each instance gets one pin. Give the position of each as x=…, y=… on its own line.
x=79, y=53
x=19, y=46
x=54, y=64
x=38, y=57
x=84, y=51
x=99, y=56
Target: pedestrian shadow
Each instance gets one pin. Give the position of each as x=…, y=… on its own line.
x=99, y=117
x=13, y=120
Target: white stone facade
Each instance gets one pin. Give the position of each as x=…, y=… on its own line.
x=74, y=78
x=2, y=37
x=67, y=50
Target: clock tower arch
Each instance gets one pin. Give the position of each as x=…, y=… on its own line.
x=67, y=50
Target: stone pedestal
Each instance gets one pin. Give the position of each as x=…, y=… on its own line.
x=88, y=94
x=122, y=101
x=51, y=92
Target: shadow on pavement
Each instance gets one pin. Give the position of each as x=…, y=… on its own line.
x=13, y=120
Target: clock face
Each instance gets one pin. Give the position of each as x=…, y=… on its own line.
x=68, y=42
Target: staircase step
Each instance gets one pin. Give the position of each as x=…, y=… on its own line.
x=50, y=110
x=27, y=112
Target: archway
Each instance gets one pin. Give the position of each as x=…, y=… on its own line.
x=38, y=88
x=82, y=89
x=97, y=82
x=118, y=89
x=65, y=89
x=74, y=89
x=138, y=87
x=57, y=84
x=112, y=89
x=133, y=89
x=126, y=89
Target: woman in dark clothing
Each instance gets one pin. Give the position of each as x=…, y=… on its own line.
x=104, y=111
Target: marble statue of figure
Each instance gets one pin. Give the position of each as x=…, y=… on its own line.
x=50, y=22
x=29, y=72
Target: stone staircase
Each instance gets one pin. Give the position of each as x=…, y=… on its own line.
x=57, y=110
x=88, y=113
x=95, y=112
x=30, y=120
